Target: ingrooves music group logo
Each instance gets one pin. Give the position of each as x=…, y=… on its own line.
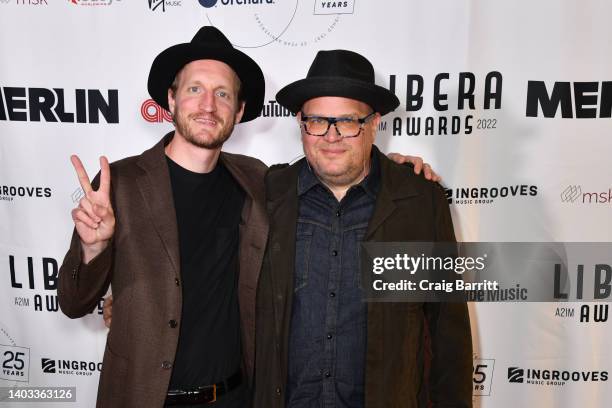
x=487, y=195
x=553, y=377
x=10, y=192
x=70, y=367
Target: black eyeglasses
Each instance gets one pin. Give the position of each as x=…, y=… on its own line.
x=345, y=127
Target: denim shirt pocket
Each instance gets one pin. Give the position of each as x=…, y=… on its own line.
x=303, y=241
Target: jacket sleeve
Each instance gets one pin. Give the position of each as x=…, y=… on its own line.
x=80, y=286
x=450, y=376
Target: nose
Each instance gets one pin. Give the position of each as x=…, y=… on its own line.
x=332, y=134
x=207, y=102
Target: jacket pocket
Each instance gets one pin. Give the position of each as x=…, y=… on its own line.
x=112, y=379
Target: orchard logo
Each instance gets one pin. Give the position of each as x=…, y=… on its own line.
x=290, y=23
x=213, y=3
x=152, y=112
x=208, y=3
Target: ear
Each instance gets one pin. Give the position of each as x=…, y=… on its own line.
x=239, y=112
x=375, y=122
x=171, y=101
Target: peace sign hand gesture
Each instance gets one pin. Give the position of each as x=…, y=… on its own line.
x=94, y=218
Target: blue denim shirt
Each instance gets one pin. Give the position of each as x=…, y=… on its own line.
x=327, y=340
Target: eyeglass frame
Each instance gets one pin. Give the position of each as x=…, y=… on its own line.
x=332, y=120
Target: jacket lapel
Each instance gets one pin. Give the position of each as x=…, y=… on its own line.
x=254, y=214
x=395, y=185
x=282, y=206
x=156, y=190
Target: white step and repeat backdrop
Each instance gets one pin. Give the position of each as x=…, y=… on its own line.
x=510, y=101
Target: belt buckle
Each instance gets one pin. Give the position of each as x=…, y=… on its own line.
x=206, y=388
x=214, y=393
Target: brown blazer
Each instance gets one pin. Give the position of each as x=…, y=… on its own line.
x=408, y=208
x=142, y=266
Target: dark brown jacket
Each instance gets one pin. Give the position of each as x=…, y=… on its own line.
x=142, y=267
x=408, y=208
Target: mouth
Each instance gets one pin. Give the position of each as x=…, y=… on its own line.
x=333, y=151
x=205, y=120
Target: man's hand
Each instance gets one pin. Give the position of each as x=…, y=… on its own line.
x=94, y=218
x=107, y=310
x=418, y=164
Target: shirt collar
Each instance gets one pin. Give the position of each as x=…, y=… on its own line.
x=307, y=179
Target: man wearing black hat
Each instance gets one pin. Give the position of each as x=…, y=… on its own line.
x=179, y=234
x=325, y=347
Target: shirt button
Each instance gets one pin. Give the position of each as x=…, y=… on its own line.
x=332, y=294
x=327, y=374
x=278, y=391
x=329, y=336
x=166, y=365
x=172, y=323
x=335, y=253
x=338, y=213
x=177, y=282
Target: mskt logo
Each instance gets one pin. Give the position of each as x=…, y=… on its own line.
x=571, y=194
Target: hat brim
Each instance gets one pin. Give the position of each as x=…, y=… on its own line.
x=170, y=61
x=295, y=94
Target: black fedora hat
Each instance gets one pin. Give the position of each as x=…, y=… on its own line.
x=338, y=73
x=208, y=43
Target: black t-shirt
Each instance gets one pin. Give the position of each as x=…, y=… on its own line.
x=208, y=209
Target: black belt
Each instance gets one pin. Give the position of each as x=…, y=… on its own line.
x=204, y=394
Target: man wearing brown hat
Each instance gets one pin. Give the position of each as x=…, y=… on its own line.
x=325, y=347
x=179, y=234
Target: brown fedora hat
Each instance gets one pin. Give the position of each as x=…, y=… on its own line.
x=208, y=43
x=338, y=73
